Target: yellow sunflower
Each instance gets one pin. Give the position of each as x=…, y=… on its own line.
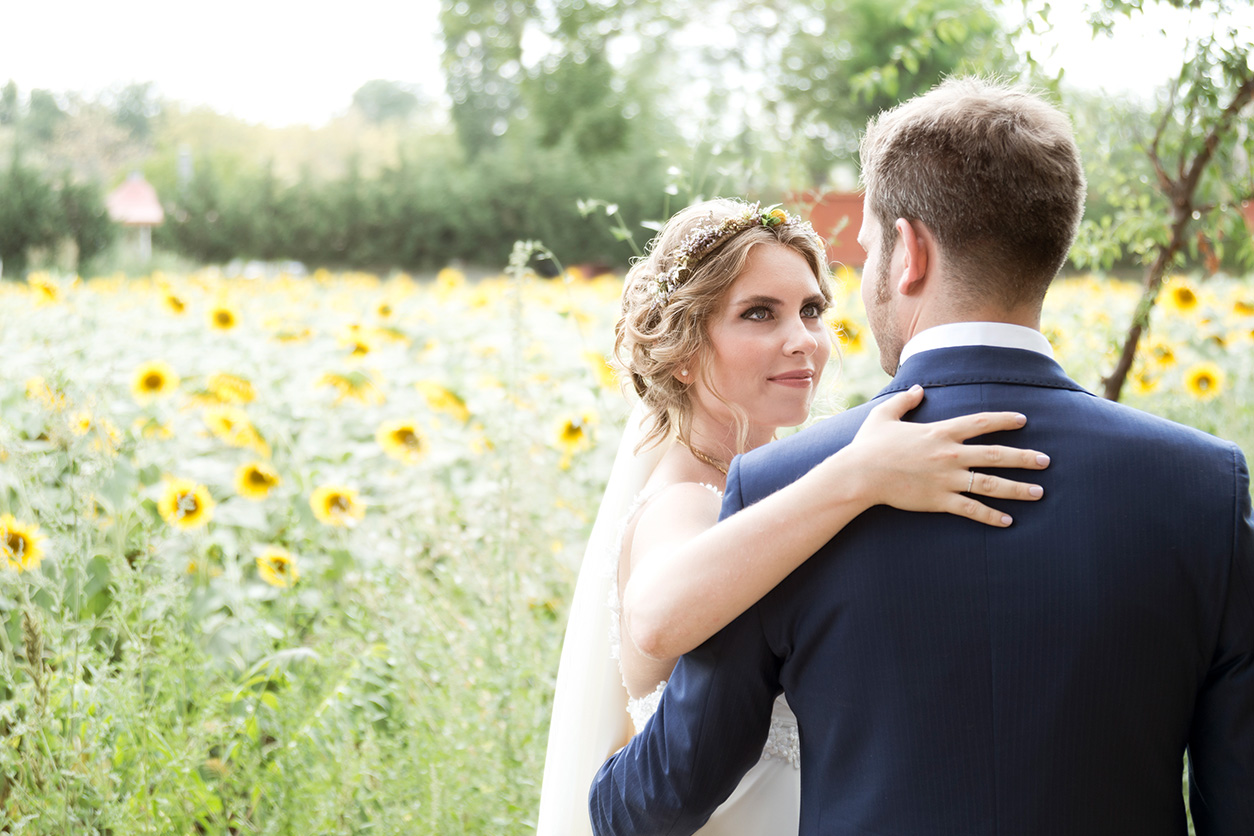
x=185, y=504
x=289, y=332
x=231, y=424
x=1144, y=379
x=402, y=440
x=1055, y=336
x=21, y=544
x=1179, y=295
x=602, y=369
x=359, y=345
x=1204, y=381
x=45, y=290
x=357, y=385
x=450, y=279
x=174, y=303
x=574, y=434
x=153, y=380
x=106, y=436
x=230, y=388
x=277, y=567
x=37, y=389
x=1162, y=352
x=336, y=505
x=255, y=480
x=1243, y=306
x=223, y=317
x=848, y=334
x=442, y=399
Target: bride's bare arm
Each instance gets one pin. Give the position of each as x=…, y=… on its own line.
x=690, y=577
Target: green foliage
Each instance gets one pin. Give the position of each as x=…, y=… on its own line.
x=29, y=214
x=9, y=109
x=384, y=101
x=205, y=222
x=84, y=217
x=569, y=90
x=482, y=67
x=846, y=60
x=135, y=108
x=428, y=209
x=43, y=116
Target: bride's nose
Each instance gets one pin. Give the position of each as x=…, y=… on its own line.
x=800, y=338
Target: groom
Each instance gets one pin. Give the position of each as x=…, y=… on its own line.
x=948, y=678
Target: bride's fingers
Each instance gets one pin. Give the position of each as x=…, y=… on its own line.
x=973, y=509
x=996, y=455
x=896, y=407
x=981, y=423
x=986, y=484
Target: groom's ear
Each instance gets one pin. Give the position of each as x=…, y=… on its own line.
x=917, y=245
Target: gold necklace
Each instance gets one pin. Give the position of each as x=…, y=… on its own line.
x=710, y=460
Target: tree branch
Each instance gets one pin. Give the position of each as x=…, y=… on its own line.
x=1164, y=180
x=1243, y=96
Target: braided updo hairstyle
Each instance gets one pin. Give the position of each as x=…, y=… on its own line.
x=655, y=341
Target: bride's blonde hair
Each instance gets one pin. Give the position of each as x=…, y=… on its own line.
x=670, y=296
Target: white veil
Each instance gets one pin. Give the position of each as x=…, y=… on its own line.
x=590, y=720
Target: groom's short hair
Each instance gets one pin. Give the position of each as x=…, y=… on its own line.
x=993, y=171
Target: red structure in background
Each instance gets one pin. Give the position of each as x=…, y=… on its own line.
x=134, y=204
x=836, y=217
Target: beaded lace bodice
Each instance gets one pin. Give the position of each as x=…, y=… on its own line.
x=783, y=741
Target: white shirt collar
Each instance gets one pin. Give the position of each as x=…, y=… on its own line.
x=996, y=334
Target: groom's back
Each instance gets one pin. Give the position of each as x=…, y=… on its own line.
x=1041, y=679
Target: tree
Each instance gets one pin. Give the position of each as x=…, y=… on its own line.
x=1195, y=146
x=202, y=222
x=135, y=108
x=83, y=217
x=846, y=60
x=28, y=214
x=43, y=115
x=9, y=108
x=385, y=101
x=483, y=66
x=569, y=88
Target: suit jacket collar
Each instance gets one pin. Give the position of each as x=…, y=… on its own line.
x=962, y=365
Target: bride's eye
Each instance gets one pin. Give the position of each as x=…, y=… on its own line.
x=813, y=310
x=759, y=313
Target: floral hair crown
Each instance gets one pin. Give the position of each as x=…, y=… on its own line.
x=704, y=239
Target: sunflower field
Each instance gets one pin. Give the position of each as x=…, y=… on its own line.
x=293, y=555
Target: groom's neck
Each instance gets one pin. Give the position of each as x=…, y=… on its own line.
x=1028, y=316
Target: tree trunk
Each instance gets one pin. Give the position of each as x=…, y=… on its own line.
x=1113, y=383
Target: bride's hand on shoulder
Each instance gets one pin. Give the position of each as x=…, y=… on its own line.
x=927, y=467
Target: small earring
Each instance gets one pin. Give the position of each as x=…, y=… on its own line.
x=683, y=372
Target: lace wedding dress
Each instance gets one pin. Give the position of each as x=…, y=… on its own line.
x=768, y=798
x=591, y=708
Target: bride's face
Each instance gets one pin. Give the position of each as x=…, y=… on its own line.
x=768, y=343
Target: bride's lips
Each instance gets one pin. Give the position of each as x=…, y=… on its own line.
x=800, y=379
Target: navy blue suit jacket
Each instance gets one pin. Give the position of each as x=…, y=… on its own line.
x=952, y=678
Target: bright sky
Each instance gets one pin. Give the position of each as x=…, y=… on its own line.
x=273, y=61
x=283, y=62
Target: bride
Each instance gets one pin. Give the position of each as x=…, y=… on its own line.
x=723, y=336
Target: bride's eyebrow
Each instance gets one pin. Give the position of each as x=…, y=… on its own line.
x=769, y=301
x=772, y=302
